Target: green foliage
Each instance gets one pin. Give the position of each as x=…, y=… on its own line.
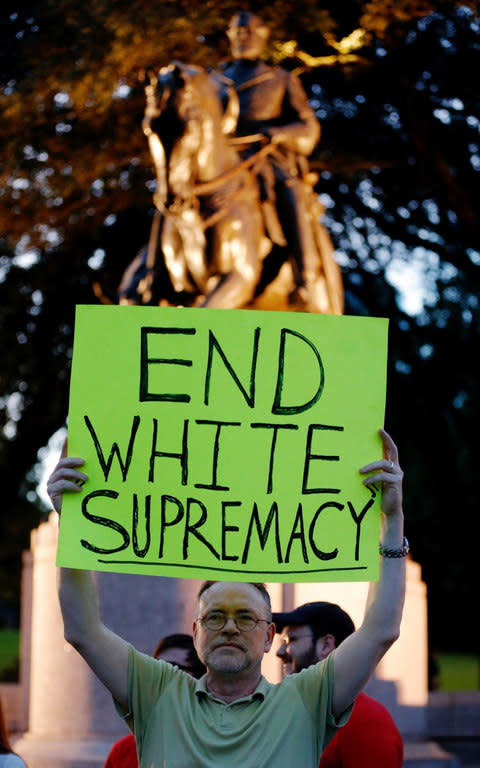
x=458, y=672
x=9, y=655
x=398, y=165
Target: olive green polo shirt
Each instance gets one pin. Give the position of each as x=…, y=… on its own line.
x=179, y=724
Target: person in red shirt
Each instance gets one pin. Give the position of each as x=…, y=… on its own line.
x=370, y=738
x=178, y=650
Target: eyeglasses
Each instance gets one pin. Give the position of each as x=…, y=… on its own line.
x=217, y=620
x=286, y=640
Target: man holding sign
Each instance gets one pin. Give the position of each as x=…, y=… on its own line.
x=233, y=716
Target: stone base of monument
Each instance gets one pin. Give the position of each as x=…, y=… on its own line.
x=45, y=752
x=428, y=754
x=48, y=752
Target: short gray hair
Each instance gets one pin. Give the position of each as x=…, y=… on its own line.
x=260, y=586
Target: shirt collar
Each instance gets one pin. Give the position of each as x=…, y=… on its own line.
x=260, y=691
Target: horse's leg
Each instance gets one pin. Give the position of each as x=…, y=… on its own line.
x=183, y=246
x=239, y=249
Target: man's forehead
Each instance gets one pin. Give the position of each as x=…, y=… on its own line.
x=231, y=595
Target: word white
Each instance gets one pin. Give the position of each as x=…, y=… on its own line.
x=219, y=428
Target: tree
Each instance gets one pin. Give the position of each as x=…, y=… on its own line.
x=398, y=171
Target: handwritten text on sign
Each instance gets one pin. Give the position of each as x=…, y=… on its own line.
x=225, y=443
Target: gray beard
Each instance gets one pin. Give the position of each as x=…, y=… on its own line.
x=217, y=662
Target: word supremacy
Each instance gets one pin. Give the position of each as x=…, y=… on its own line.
x=226, y=453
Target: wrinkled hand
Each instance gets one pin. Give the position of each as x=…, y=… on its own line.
x=65, y=477
x=388, y=472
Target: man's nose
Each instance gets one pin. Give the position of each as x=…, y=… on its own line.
x=231, y=625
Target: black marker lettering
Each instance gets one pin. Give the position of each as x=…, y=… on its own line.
x=309, y=456
x=214, y=486
x=145, y=361
x=289, y=409
x=141, y=552
x=300, y=535
x=193, y=528
x=263, y=534
x=358, y=521
x=213, y=344
x=225, y=528
x=115, y=450
x=164, y=522
x=311, y=532
x=182, y=456
x=105, y=521
x=275, y=428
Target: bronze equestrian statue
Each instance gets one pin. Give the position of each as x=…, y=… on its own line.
x=234, y=198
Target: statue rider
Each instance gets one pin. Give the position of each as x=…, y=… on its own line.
x=273, y=108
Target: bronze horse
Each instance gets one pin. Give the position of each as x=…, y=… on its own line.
x=208, y=244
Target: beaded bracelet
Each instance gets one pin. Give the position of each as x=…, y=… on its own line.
x=402, y=552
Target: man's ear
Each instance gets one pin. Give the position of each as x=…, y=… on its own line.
x=270, y=636
x=324, y=645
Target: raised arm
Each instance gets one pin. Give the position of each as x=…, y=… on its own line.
x=104, y=651
x=357, y=657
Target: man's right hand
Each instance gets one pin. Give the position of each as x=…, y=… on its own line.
x=65, y=477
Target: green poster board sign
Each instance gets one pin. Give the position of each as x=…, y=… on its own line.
x=225, y=444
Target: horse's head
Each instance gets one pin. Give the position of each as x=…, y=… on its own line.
x=184, y=123
x=182, y=92
x=164, y=92
x=167, y=120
